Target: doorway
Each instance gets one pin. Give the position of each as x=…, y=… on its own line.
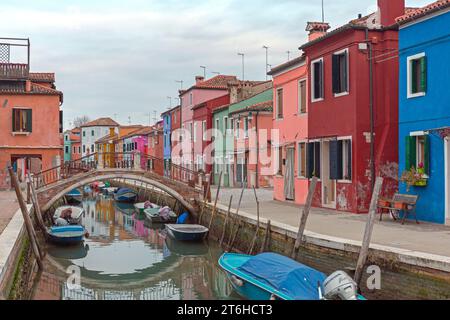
x=447, y=179
x=328, y=185
x=289, y=175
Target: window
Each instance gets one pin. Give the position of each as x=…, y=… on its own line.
x=417, y=75
x=238, y=125
x=302, y=96
x=313, y=154
x=191, y=99
x=84, y=148
x=217, y=127
x=67, y=149
x=190, y=131
x=341, y=160
x=246, y=127
x=317, y=80
x=135, y=146
x=347, y=160
x=92, y=132
x=67, y=137
x=302, y=160
x=225, y=125
x=74, y=149
x=340, y=72
x=280, y=103
x=195, y=132
x=418, y=153
x=92, y=148
x=21, y=120
x=84, y=133
x=204, y=130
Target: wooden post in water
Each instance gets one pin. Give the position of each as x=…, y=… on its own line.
x=304, y=218
x=236, y=215
x=226, y=221
x=215, y=201
x=26, y=218
x=266, y=238
x=28, y=191
x=363, y=254
x=37, y=208
x=257, y=223
x=205, y=199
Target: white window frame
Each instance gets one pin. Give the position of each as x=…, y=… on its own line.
x=225, y=125
x=195, y=132
x=312, y=80
x=277, y=117
x=409, y=59
x=299, y=108
x=336, y=95
x=299, y=158
x=245, y=127
x=416, y=135
x=344, y=154
x=204, y=130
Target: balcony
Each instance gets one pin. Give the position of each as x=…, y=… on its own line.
x=14, y=71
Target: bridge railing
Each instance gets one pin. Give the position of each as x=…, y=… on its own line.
x=64, y=171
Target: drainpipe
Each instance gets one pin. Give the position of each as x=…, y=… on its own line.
x=257, y=150
x=371, y=107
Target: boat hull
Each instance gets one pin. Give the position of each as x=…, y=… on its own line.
x=181, y=235
x=125, y=197
x=69, y=235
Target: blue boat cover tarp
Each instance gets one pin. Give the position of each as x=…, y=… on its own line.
x=285, y=275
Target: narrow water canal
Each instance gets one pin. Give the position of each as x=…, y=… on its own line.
x=126, y=257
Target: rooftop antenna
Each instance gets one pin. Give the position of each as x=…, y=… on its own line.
x=154, y=116
x=129, y=120
x=267, y=58
x=323, y=13
x=289, y=55
x=204, y=71
x=149, y=115
x=243, y=65
x=170, y=101
x=181, y=83
x=215, y=72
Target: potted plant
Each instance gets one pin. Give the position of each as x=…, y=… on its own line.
x=413, y=177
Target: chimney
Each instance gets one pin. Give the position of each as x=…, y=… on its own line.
x=111, y=132
x=316, y=29
x=199, y=79
x=389, y=10
x=27, y=85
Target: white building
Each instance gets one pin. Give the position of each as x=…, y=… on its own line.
x=94, y=130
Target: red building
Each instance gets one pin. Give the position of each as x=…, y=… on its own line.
x=353, y=111
x=203, y=115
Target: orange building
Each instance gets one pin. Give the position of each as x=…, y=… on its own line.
x=30, y=118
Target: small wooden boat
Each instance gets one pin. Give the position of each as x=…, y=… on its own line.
x=187, y=232
x=75, y=216
x=125, y=195
x=87, y=190
x=75, y=252
x=74, y=195
x=67, y=235
x=124, y=207
x=186, y=248
x=153, y=215
x=110, y=190
x=270, y=276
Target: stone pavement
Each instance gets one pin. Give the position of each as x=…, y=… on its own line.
x=426, y=237
x=8, y=207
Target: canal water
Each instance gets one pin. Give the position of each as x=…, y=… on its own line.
x=126, y=257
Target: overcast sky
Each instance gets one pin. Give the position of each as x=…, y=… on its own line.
x=122, y=58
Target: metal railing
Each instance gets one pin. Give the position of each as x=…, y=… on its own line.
x=14, y=71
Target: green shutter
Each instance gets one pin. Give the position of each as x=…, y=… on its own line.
x=423, y=74
x=426, y=155
x=413, y=76
x=13, y=120
x=29, y=120
x=410, y=160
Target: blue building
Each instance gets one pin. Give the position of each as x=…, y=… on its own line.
x=171, y=121
x=424, y=107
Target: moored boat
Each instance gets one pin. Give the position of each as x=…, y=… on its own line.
x=153, y=215
x=67, y=235
x=74, y=195
x=187, y=232
x=76, y=214
x=125, y=195
x=270, y=276
x=110, y=190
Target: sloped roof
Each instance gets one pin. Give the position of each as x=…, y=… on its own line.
x=287, y=65
x=252, y=101
x=421, y=12
x=42, y=76
x=19, y=87
x=219, y=82
x=261, y=106
x=101, y=122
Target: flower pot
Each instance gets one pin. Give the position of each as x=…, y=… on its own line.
x=421, y=183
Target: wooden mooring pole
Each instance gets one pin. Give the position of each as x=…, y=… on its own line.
x=363, y=254
x=215, y=201
x=257, y=223
x=205, y=199
x=36, y=206
x=304, y=218
x=236, y=218
x=26, y=218
x=226, y=221
x=266, y=238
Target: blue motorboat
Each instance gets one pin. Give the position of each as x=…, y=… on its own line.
x=66, y=235
x=74, y=195
x=187, y=232
x=125, y=195
x=270, y=276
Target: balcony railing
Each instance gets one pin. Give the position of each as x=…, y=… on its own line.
x=13, y=71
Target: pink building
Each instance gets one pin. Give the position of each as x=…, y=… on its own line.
x=203, y=90
x=290, y=118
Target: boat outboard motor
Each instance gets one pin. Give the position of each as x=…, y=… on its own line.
x=340, y=285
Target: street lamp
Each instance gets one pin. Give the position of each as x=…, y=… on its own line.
x=243, y=65
x=267, y=58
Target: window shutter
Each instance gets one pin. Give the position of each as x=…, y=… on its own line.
x=29, y=120
x=345, y=67
x=310, y=160
x=427, y=155
x=423, y=74
x=413, y=76
x=410, y=160
x=349, y=159
x=321, y=78
x=13, y=120
x=335, y=74
x=334, y=160
x=317, y=157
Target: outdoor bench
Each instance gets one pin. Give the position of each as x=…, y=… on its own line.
x=405, y=203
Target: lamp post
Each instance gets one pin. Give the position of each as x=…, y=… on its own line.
x=267, y=58
x=243, y=65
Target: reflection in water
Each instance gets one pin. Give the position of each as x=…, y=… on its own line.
x=125, y=257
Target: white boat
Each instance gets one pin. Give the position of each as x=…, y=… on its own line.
x=153, y=215
x=75, y=216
